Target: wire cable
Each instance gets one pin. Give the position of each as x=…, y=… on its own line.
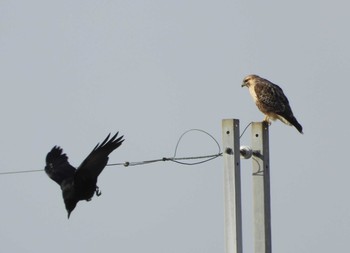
x=178, y=160
x=175, y=159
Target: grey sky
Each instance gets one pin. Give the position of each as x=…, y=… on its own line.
x=73, y=71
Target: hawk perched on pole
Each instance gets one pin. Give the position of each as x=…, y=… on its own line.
x=271, y=101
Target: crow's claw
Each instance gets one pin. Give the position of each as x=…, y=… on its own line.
x=98, y=192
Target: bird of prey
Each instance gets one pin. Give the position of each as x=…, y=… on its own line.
x=271, y=100
x=80, y=184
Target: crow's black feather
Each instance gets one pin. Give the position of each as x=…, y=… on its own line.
x=80, y=184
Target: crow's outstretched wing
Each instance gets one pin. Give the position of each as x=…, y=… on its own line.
x=57, y=165
x=95, y=162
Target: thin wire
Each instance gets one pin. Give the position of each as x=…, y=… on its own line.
x=19, y=172
x=245, y=129
x=210, y=157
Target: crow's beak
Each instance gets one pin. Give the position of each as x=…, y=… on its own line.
x=68, y=214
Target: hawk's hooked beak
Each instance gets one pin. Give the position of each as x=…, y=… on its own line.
x=243, y=84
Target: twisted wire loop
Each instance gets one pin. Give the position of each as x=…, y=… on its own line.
x=171, y=159
x=179, y=160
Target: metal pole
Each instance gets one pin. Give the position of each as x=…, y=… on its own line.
x=261, y=187
x=232, y=186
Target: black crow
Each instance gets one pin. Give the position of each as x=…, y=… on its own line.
x=80, y=184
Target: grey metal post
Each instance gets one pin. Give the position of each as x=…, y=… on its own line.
x=232, y=186
x=261, y=187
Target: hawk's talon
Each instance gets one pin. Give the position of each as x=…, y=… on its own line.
x=267, y=120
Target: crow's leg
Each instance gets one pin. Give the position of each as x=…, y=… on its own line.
x=98, y=192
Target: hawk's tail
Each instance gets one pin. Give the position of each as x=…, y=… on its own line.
x=291, y=120
x=296, y=124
